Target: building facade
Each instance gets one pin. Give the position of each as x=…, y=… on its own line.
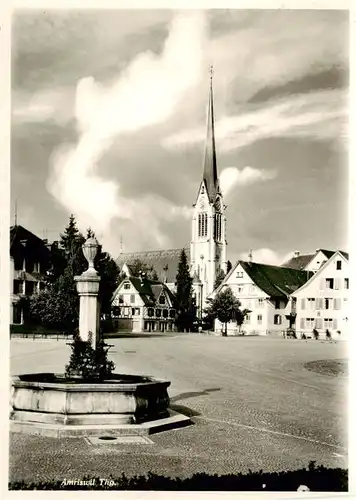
x=29, y=261
x=323, y=302
x=266, y=292
x=140, y=305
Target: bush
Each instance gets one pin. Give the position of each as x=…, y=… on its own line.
x=87, y=363
x=316, y=478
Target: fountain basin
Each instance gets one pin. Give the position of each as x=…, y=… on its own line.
x=123, y=399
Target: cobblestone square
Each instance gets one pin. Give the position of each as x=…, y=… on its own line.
x=253, y=404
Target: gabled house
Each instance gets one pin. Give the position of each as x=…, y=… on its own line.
x=311, y=262
x=29, y=261
x=322, y=302
x=140, y=305
x=266, y=292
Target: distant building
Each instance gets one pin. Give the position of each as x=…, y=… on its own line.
x=311, y=262
x=140, y=305
x=266, y=291
x=29, y=261
x=322, y=302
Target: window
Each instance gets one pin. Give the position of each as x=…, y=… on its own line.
x=162, y=299
x=30, y=287
x=311, y=304
x=346, y=283
x=239, y=274
x=133, y=311
x=338, y=265
x=310, y=323
x=259, y=319
x=248, y=318
x=126, y=311
x=158, y=313
x=121, y=299
x=259, y=302
x=126, y=286
x=116, y=311
x=217, y=227
x=16, y=318
x=202, y=224
x=172, y=313
x=150, y=312
x=138, y=311
x=327, y=303
x=132, y=298
x=328, y=322
x=18, y=286
x=329, y=283
x=277, y=319
x=36, y=267
x=165, y=313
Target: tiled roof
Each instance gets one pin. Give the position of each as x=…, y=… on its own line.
x=149, y=290
x=298, y=262
x=165, y=262
x=302, y=261
x=275, y=281
x=34, y=244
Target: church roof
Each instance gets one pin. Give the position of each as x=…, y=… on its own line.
x=210, y=175
x=164, y=262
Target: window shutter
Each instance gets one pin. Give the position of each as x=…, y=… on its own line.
x=318, y=304
x=318, y=323
x=303, y=304
x=336, y=283
x=302, y=323
x=335, y=324
x=322, y=283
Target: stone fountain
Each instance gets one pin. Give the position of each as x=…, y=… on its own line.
x=53, y=404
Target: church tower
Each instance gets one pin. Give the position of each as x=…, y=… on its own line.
x=208, y=244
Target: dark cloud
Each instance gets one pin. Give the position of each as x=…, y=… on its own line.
x=331, y=78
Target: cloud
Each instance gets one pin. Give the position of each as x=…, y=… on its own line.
x=266, y=256
x=318, y=115
x=232, y=176
x=146, y=93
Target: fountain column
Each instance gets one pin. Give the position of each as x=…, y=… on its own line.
x=88, y=290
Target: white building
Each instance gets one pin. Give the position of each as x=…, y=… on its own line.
x=322, y=302
x=140, y=305
x=266, y=292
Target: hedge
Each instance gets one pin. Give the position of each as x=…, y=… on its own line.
x=318, y=478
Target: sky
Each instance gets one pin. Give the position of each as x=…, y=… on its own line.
x=109, y=119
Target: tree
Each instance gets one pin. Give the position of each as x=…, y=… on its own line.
x=228, y=267
x=226, y=308
x=219, y=278
x=138, y=268
x=184, y=295
x=58, y=306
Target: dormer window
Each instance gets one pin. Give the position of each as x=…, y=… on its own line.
x=202, y=190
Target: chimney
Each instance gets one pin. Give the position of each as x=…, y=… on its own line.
x=296, y=253
x=250, y=256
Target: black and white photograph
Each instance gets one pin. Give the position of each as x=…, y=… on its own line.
x=178, y=252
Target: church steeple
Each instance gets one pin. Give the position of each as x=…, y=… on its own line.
x=210, y=174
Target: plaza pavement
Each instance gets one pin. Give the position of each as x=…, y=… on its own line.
x=252, y=403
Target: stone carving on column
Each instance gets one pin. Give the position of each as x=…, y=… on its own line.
x=88, y=289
